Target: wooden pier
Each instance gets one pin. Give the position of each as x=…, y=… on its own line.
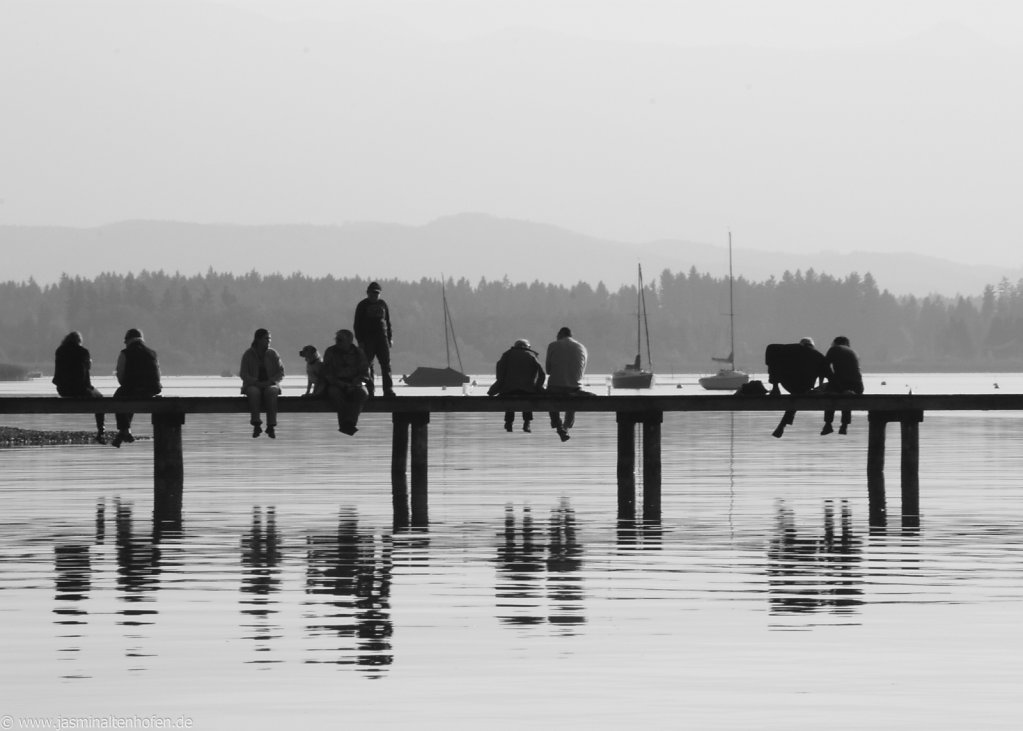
x=411, y=418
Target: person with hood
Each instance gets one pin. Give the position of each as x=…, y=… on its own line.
x=72, y=364
x=519, y=373
x=261, y=372
x=346, y=371
x=138, y=372
x=372, y=329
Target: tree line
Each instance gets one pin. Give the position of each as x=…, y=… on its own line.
x=201, y=324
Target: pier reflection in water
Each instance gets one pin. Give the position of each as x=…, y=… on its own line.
x=288, y=581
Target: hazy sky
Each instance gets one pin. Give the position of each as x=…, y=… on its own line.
x=802, y=125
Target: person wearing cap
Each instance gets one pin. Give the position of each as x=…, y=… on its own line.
x=315, y=386
x=261, y=372
x=372, y=329
x=566, y=364
x=346, y=371
x=519, y=373
x=71, y=367
x=138, y=372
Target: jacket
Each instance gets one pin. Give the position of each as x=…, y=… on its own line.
x=566, y=363
x=71, y=369
x=138, y=368
x=518, y=371
x=249, y=369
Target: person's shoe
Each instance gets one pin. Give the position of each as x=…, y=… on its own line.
x=827, y=429
x=271, y=433
x=256, y=430
x=843, y=429
x=508, y=427
x=777, y=433
x=100, y=438
x=563, y=435
x=129, y=437
x=348, y=429
x=389, y=394
x=527, y=428
x=118, y=438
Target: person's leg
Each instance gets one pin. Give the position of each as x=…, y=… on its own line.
x=829, y=418
x=569, y=421
x=270, y=394
x=527, y=419
x=509, y=419
x=254, y=395
x=384, y=357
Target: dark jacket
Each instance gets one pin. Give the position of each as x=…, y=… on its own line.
x=372, y=321
x=518, y=371
x=71, y=370
x=138, y=369
x=796, y=367
x=344, y=366
x=845, y=369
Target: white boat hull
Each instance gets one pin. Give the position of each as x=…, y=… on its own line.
x=724, y=380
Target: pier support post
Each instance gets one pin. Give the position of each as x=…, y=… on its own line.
x=910, y=422
x=626, y=466
x=877, y=425
x=168, y=469
x=652, y=466
x=420, y=432
x=399, y=463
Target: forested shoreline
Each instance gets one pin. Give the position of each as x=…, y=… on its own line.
x=201, y=324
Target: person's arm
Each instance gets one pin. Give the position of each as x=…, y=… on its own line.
x=276, y=374
x=121, y=362
x=357, y=329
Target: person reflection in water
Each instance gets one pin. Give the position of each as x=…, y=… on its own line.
x=349, y=578
x=260, y=558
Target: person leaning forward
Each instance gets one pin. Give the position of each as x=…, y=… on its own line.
x=372, y=328
x=798, y=367
x=261, y=372
x=138, y=372
x=845, y=377
x=566, y=364
x=519, y=373
x=71, y=366
x=346, y=371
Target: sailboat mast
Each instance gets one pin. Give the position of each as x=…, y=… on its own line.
x=646, y=322
x=444, y=300
x=731, y=307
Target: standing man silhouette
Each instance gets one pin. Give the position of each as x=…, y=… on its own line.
x=372, y=329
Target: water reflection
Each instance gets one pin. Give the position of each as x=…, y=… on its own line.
x=261, y=580
x=532, y=575
x=814, y=573
x=348, y=576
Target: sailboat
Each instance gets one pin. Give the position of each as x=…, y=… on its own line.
x=633, y=375
x=727, y=379
x=427, y=376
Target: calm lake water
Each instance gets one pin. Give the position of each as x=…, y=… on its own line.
x=762, y=599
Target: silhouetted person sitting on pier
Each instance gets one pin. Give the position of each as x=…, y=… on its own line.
x=71, y=367
x=845, y=377
x=315, y=386
x=261, y=372
x=138, y=372
x=346, y=371
x=519, y=373
x=373, y=330
x=798, y=367
x=566, y=364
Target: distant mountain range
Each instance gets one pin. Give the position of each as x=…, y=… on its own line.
x=472, y=246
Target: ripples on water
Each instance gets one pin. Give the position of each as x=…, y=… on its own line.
x=761, y=599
